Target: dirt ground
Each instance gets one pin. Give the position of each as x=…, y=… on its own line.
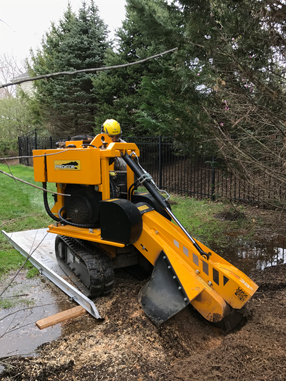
x=127, y=346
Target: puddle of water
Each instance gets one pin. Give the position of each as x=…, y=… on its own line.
x=40, y=298
x=257, y=254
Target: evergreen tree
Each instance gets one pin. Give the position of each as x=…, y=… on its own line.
x=118, y=90
x=173, y=102
x=151, y=98
x=67, y=103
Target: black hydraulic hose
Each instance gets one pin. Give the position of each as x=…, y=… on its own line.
x=131, y=189
x=147, y=183
x=153, y=191
x=48, y=210
x=60, y=219
x=72, y=223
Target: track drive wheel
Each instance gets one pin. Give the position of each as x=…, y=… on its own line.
x=87, y=263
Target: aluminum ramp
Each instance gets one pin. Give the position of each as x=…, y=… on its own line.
x=38, y=245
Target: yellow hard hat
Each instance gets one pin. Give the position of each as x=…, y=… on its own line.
x=111, y=127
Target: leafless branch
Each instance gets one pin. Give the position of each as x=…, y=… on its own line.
x=32, y=185
x=92, y=70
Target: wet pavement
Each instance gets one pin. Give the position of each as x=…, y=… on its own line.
x=18, y=333
x=34, y=299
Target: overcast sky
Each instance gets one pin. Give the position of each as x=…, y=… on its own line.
x=24, y=22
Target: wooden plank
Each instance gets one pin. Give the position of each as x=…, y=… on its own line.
x=61, y=316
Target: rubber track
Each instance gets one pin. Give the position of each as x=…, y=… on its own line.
x=97, y=263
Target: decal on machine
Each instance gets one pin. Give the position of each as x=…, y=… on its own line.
x=67, y=165
x=143, y=207
x=242, y=295
x=245, y=283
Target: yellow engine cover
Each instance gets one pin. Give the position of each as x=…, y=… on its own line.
x=72, y=166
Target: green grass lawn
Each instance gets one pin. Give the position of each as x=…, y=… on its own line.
x=21, y=208
x=201, y=219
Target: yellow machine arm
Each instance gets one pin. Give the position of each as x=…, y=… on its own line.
x=210, y=285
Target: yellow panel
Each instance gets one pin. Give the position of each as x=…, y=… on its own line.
x=72, y=166
x=104, y=162
x=211, y=306
x=77, y=143
x=130, y=178
x=39, y=166
x=93, y=235
x=60, y=200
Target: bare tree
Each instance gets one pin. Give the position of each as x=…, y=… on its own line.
x=249, y=129
x=9, y=69
x=247, y=114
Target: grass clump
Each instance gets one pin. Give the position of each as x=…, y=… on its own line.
x=32, y=272
x=11, y=259
x=15, y=300
x=6, y=303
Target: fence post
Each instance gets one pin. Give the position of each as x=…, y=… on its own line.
x=51, y=142
x=213, y=180
x=20, y=149
x=160, y=162
x=36, y=143
x=27, y=151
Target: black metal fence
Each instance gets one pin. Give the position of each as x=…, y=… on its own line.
x=175, y=168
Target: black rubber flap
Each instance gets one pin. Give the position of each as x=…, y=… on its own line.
x=120, y=221
x=163, y=296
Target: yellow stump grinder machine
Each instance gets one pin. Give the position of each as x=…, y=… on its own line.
x=103, y=222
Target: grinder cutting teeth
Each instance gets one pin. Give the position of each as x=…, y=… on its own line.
x=103, y=223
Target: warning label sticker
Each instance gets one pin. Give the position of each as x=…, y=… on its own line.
x=143, y=207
